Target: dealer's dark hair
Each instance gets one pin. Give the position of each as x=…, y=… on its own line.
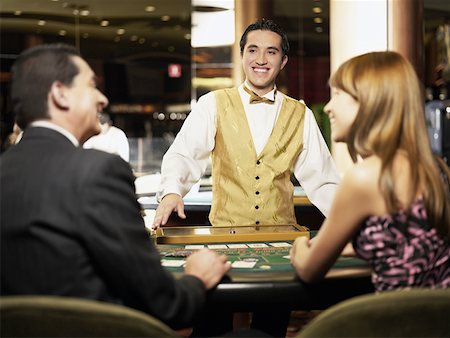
x=33, y=74
x=266, y=25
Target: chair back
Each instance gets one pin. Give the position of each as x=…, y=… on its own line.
x=406, y=313
x=52, y=316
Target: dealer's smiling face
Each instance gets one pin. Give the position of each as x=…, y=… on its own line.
x=262, y=60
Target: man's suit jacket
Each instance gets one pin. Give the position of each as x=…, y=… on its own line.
x=71, y=226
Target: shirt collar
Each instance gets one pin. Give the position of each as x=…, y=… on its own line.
x=61, y=130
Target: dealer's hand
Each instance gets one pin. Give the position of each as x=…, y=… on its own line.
x=169, y=203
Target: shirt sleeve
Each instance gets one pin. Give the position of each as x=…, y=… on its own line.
x=315, y=169
x=187, y=158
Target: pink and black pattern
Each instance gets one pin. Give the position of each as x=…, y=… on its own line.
x=404, y=250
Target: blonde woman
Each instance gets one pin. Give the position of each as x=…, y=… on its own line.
x=394, y=203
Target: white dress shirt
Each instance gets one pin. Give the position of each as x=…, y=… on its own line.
x=187, y=158
x=112, y=140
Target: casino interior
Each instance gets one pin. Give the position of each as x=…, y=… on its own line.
x=155, y=58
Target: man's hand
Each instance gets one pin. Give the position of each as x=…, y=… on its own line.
x=208, y=266
x=170, y=203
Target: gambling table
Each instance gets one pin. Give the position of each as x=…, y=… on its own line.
x=262, y=276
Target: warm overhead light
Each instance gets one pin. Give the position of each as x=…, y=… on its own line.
x=55, y=0
x=41, y=23
x=208, y=28
x=318, y=20
x=62, y=32
x=120, y=31
x=141, y=41
x=17, y=12
x=104, y=23
x=187, y=36
x=165, y=18
x=133, y=38
x=85, y=12
x=317, y=10
x=150, y=8
x=319, y=29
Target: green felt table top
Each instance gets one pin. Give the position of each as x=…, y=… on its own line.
x=265, y=257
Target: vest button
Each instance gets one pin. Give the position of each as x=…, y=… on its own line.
x=257, y=192
x=257, y=177
x=257, y=222
x=256, y=207
x=258, y=162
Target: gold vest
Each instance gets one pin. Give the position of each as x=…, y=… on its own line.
x=250, y=189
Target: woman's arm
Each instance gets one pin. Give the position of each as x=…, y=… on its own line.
x=353, y=202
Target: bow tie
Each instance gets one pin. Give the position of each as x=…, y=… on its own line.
x=255, y=98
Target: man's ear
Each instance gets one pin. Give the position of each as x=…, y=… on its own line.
x=284, y=61
x=58, y=95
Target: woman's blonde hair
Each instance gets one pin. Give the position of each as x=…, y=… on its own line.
x=391, y=118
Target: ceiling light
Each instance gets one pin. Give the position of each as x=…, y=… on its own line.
x=208, y=29
x=141, y=41
x=150, y=8
x=317, y=10
x=62, y=32
x=165, y=18
x=212, y=6
x=120, y=31
x=17, y=12
x=318, y=20
x=85, y=12
x=133, y=38
x=319, y=29
x=104, y=23
x=41, y=23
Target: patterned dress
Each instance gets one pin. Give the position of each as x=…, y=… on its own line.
x=404, y=251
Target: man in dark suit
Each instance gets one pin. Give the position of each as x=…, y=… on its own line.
x=70, y=222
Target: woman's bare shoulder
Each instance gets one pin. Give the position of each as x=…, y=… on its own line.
x=364, y=174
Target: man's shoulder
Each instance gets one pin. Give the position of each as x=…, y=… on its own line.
x=298, y=106
x=224, y=91
x=96, y=156
x=93, y=164
x=293, y=100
